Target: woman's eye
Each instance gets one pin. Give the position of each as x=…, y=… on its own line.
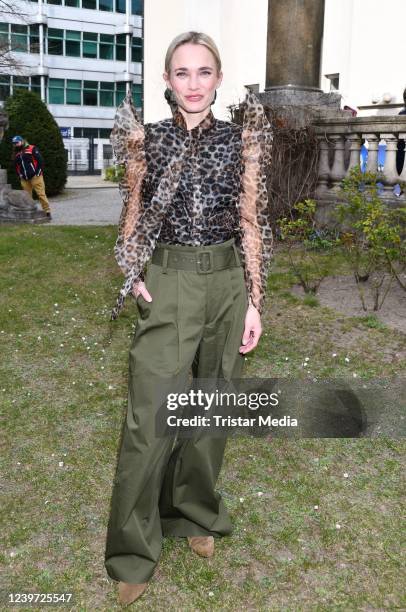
x=208, y=72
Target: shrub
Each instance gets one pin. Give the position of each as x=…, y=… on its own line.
x=29, y=117
x=373, y=242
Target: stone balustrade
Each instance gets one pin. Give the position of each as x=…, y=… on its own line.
x=341, y=139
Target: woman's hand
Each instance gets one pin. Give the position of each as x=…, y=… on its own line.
x=140, y=288
x=252, y=330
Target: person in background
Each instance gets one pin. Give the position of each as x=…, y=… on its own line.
x=29, y=165
x=400, y=153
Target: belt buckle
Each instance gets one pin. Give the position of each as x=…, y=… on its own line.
x=204, y=262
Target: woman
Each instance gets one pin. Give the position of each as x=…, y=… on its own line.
x=198, y=185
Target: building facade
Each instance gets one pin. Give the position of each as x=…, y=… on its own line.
x=81, y=57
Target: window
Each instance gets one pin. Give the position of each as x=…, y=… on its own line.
x=136, y=7
x=4, y=38
x=4, y=87
x=120, y=47
x=90, y=132
x=72, y=43
x=21, y=82
x=19, y=37
x=137, y=94
x=58, y=2
x=34, y=38
x=136, y=49
x=55, y=41
x=89, y=4
x=120, y=92
x=90, y=44
x=73, y=92
x=106, y=5
x=106, y=94
x=106, y=46
x=56, y=91
x=120, y=6
x=75, y=3
x=104, y=133
x=90, y=93
x=36, y=84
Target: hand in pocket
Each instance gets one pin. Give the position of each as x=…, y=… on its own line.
x=139, y=288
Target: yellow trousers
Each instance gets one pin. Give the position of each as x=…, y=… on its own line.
x=37, y=183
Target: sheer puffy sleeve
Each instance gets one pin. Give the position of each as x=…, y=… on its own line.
x=256, y=241
x=127, y=139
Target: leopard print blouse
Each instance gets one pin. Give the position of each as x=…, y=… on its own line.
x=196, y=187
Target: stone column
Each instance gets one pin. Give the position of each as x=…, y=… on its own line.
x=295, y=32
x=294, y=46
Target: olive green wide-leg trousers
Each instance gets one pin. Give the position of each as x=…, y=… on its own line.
x=166, y=486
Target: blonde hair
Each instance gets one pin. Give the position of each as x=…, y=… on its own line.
x=196, y=38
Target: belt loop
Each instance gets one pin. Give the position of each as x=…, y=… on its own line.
x=237, y=257
x=165, y=262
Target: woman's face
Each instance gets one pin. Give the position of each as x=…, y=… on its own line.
x=193, y=77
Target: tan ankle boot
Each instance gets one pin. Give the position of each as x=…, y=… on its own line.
x=127, y=593
x=202, y=545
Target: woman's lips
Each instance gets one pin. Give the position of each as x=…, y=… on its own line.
x=194, y=98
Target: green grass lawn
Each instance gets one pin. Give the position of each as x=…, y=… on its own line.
x=317, y=521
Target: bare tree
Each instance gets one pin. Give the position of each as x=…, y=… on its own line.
x=9, y=62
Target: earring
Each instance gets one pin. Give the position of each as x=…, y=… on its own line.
x=215, y=96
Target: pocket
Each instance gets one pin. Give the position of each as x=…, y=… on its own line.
x=152, y=284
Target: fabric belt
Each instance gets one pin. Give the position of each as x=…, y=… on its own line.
x=199, y=259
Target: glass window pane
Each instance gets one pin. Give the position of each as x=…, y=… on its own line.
x=77, y=132
x=137, y=95
x=75, y=3
x=106, y=51
x=87, y=132
x=18, y=29
x=105, y=132
x=55, y=33
x=72, y=48
x=107, y=38
x=73, y=84
x=72, y=35
x=120, y=53
x=136, y=7
x=107, y=85
x=55, y=47
x=120, y=6
x=106, y=98
x=19, y=43
x=89, y=4
x=57, y=83
x=21, y=80
x=90, y=97
x=89, y=49
x=120, y=92
x=4, y=27
x=73, y=96
x=4, y=87
x=59, y=2
x=90, y=36
x=56, y=96
x=136, y=50
x=91, y=84
x=105, y=5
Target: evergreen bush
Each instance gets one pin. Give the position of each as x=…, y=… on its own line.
x=29, y=117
